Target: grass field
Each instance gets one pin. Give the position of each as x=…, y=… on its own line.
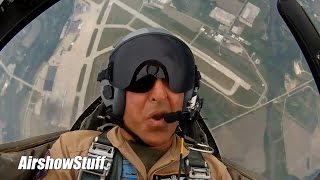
x=81, y=77
x=231, y=6
x=93, y=38
x=169, y=23
x=236, y=63
x=259, y=29
x=216, y=108
x=103, y=10
x=303, y=106
x=110, y=36
x=199, y=9
x=135, y=4
x=118, y=15
x=213, y=73
x=243, y=68
x=245, y=97
x=137, y=24
x=93, y=88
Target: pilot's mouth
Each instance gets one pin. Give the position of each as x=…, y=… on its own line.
x=158, y=116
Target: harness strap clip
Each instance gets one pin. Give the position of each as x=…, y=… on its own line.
x=197, y=166
x=97, y=149
x=199, y=173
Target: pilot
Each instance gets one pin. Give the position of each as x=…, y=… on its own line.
x=150, y=85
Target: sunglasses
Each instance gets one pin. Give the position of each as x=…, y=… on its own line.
x=143, y=84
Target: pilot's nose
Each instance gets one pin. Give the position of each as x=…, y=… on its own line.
x=159, y=91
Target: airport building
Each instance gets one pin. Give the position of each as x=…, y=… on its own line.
x=249, y=14
x=222, y=16
x=297, y=68
x=160, y=3
x=237, y=30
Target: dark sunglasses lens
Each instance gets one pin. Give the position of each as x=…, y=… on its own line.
x=142, y=85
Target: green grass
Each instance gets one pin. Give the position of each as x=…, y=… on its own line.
x=216, y=108
x=135, y=4
x=81, y=77
x=258, y=30
x=172, y=25
x=199, y=9
x=213, y=73
x=110, y=36
x=137, y=24
x=276, y=60
x=103, y=10
x=303, y=107
x=245, y=97
x=302, y=78
x=208, y=46
x=93, y=38
x=93, y=88
x=259, y=26
x=242, y=67
x=231, y=6
x=118, y=15
x=236, y=63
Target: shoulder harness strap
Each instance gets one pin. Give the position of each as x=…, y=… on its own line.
x=102, y=147
x=196, y=166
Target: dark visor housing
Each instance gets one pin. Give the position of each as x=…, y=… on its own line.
x=159, y=54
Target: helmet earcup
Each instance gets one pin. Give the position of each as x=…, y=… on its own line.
x=119, y=102
x=106, y=91
x=192, y=92
x=187, y=98
x=113, y=96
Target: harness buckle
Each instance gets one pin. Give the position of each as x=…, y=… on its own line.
x=97, y=149
x=102, y=150
x=199, y=173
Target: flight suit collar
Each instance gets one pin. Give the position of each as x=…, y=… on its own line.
x=118, y=141
x=172, y=155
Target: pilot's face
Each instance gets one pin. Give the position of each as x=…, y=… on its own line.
x=144, y=114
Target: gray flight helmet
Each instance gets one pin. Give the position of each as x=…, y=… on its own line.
x=141, y=46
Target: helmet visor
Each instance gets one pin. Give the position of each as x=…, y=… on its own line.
x=159, y=55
